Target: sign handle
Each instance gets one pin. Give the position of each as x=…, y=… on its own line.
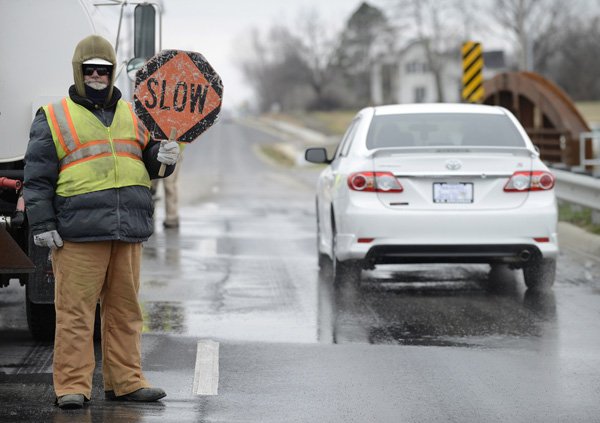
x=163, y=167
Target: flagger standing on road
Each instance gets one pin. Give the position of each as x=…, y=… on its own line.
x=87, y=190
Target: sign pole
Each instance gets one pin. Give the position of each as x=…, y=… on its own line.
x=172, y=136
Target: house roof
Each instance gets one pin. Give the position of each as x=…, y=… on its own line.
x=494, y=59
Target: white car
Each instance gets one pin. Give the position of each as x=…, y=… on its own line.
x=436, y=183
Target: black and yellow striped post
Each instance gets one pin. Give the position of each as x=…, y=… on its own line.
x=472, y=80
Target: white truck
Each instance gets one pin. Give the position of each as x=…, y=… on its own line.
x=36, y=50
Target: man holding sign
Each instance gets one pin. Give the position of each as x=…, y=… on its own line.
x=87, y=190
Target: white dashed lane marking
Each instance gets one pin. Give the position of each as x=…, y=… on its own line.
x=206, y=373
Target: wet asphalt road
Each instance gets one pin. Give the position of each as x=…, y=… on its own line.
x=413, y=343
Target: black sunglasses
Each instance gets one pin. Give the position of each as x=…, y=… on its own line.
x=101, y=70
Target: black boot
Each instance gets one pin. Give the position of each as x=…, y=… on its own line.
x=70, y=401
x=141, y=395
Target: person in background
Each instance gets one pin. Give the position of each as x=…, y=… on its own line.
x=88, y=167
x=171, y=192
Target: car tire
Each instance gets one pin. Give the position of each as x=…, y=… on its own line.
x=343, y=271
x=346, y=273
x=323, y=259
x=539, y=275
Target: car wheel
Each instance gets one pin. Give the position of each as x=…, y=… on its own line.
x=344, y=271
x=540, y=274
x=324, y=259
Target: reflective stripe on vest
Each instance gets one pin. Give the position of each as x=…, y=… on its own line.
x=94, y=157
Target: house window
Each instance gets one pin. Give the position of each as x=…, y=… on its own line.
x=420, y=94
x=416, y=67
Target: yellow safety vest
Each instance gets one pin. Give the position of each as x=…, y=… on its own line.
x=93, y=157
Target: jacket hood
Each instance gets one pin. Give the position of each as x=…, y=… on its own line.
x=110, y=103
x=88, y=48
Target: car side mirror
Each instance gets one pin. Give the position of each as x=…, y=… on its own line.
x=316, y=155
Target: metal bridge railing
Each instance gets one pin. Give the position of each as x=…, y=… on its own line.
x=594, y=137
x=578, y=189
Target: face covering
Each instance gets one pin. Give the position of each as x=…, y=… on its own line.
x=96, y=85
x=97, y=96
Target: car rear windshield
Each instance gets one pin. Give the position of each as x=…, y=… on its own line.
x=443, y=129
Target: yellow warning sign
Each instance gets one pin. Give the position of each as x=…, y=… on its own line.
x=472, y=80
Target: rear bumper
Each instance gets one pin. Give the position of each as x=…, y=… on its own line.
x=404, y=236
x=516, y=254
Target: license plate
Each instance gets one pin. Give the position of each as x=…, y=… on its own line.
x=452, y=193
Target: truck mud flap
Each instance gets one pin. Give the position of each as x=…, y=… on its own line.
x=12, y=258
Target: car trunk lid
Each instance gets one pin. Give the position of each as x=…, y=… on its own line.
x=452, y=179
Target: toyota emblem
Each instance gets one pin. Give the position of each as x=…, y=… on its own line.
x=453, y=164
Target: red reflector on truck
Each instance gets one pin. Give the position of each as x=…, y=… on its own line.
x=541, y=239
x=365, y=240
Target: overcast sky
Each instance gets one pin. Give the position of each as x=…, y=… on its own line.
x=212, y=28
x=218, y=29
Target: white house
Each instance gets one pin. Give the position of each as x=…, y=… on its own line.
x=405, y=76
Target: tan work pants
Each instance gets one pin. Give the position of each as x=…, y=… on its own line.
x=85, y=272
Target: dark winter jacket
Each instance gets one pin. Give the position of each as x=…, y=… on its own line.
x=124, y=214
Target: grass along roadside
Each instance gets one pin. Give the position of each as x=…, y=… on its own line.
x=578, y=216
x=328, y=123
x=277, y=154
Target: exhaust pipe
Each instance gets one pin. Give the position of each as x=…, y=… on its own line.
x=525, y=255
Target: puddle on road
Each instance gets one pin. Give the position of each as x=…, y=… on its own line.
x=163, y=317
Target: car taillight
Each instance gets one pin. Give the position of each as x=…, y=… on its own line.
x=374, y=182
x=530, y=181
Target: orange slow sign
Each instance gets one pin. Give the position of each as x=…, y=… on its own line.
x=177, y=89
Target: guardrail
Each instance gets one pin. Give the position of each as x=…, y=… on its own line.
x=578, y=189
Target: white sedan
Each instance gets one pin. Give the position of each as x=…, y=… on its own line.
x=436, y=183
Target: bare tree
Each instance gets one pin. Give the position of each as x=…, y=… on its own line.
x=274, y=69
x=578, y=53
x=367, y=34
x=436, y=25
x=292, y=67
x=534, y=26
x=315, y=44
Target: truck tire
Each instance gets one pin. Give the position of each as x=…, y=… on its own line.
x=41, y=321
x=539, y=275
x=41, y=318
